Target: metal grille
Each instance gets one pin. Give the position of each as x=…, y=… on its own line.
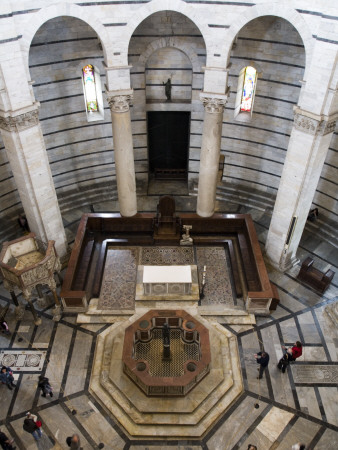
x=180, y=353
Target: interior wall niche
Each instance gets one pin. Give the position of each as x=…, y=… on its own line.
x=168, y=63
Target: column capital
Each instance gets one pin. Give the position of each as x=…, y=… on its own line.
x=212, y=103
x=312, y=123
x=119, y=101
x=21, y=119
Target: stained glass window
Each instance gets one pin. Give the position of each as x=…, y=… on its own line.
x=249, y=86
x=88, y=74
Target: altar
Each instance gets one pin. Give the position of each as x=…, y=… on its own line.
x=162, y=280
x=170, y=282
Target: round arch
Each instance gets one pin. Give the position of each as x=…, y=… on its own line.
x=173, y=42
x=288, y=14
x=163, y=5
x=64, y=9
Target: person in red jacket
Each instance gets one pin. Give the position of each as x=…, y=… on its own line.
x=297, y=350
x=291, y=354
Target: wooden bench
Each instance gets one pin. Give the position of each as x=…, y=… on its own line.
x=314, y=277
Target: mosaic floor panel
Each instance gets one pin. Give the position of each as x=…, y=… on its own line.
x=217, y=288
x=119, y=279
x=166, y=256
x=23, y=360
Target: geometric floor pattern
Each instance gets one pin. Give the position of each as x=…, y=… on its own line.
x=23, y=360
x=119, y=277
x=300, y=405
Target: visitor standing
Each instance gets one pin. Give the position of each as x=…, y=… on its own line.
x=262, y=359
x=74, y=442
x=4, y=326
x=291, y=354
x=6, y=377
x=5, y=442
x=31, y=425
x=45, y=387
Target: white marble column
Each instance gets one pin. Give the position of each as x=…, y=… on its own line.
x=309, y=141
x=119, y=102
x=26, y=152
x=210, y=152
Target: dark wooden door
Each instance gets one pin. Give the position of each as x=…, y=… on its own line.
x=168, y=141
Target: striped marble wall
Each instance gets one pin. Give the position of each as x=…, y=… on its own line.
x=255, y=151
x=80, y=153
x=325, y=198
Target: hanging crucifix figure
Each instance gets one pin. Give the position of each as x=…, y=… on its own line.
x=166, y=342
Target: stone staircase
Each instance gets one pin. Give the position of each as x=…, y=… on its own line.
x=219, y=313
x=170, y=417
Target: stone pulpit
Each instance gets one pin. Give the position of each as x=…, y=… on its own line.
x=27, y=263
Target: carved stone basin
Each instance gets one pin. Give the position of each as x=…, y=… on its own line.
x=143, y=359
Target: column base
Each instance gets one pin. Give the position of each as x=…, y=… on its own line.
x=57, y=313
x=204, y=213
x=284, y=264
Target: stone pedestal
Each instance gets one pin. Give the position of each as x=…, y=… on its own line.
x=27, y=263
x=123, y=150
x=210, y=151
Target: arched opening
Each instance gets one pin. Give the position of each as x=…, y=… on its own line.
x=255, y=149
x=79, y=149
x=167, y=52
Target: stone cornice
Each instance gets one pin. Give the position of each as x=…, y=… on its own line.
x=119, y=103
x=312, y=123
x=20, y=122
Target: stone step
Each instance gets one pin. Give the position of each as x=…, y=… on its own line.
x=234, y=320
x=325, y=229
x=103, y=318
x=189, y=424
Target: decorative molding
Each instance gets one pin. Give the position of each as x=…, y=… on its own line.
x=213, y=105
x=20, y=122
x=305, y=124
x=120, y=103
x=314, y=126
x=327, y=126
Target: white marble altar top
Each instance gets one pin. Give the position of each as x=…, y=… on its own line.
x=167, y=274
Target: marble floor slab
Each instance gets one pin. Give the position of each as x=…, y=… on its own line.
x=310, y=401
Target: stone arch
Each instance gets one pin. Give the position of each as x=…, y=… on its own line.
x=174, y=42
x=275, y=9
x=163, y=5
x=64, y=9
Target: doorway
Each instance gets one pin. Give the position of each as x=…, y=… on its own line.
x=168, y=144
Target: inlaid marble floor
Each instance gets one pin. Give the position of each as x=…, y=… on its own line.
x=300, y=405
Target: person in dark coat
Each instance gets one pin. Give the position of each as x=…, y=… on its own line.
x=74, y=442
x=6, y=377
x=45, y=387
x=5, y=442
x=4, y=326
x=262, y=359
x=31, y=427
x=291, y=354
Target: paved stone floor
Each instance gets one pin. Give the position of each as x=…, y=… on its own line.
x=300, y=405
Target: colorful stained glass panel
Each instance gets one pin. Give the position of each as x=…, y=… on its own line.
x=249, y=86
x=90, y=88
